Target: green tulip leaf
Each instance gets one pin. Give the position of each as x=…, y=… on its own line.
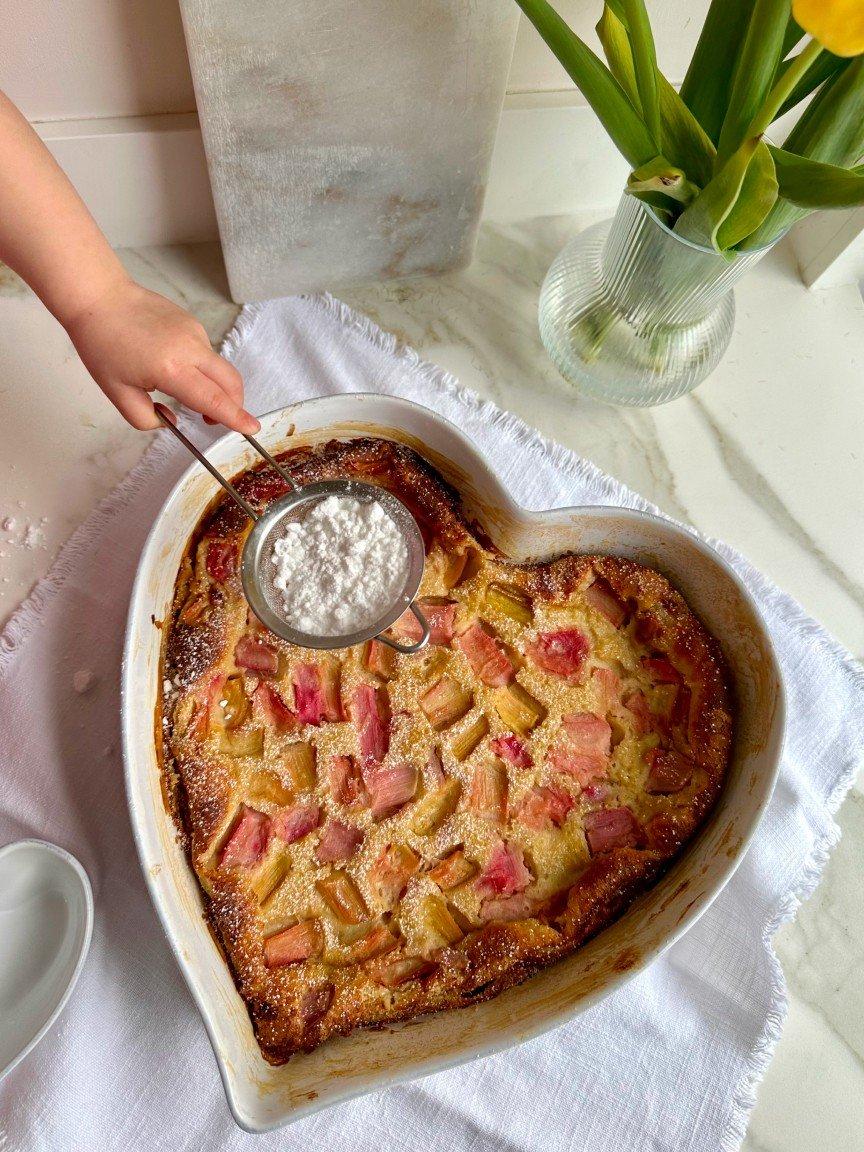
x=831, y=130
x=644, y=64
x=813, y=184
x=831, y=127
x=612, y=34
x=706, y=86
x=757, y=197
x=754, y=73
x=661, y=177
x=701, y=221
x=595, y=82
x=684, y=140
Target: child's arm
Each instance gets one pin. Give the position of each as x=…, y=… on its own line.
x=132, y=341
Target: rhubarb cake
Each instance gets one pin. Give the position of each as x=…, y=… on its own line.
x=378, y=835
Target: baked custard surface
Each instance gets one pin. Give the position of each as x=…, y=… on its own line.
x=378, y=836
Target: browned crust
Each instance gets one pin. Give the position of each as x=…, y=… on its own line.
x=297, y=1007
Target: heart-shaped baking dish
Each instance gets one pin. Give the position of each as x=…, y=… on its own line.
x=262, y=1097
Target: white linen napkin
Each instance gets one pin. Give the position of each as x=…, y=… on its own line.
x=671, y=1061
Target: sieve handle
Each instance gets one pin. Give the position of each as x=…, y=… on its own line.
x=273, y=463
x=165, y=416
x=407, y=649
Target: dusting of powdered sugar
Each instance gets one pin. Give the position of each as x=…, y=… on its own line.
x=23, y=532
x=340, y=568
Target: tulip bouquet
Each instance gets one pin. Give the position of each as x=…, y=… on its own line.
x=703, y=158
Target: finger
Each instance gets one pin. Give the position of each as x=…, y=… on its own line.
x=225, y=375
x=134, y=405
x=199, y=392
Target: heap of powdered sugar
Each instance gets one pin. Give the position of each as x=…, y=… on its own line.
x=340, y=568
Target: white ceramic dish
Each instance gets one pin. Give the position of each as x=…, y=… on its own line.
x=46, y=920
x=262, y=1097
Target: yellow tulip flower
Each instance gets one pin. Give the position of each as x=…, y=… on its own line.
x=838, y=25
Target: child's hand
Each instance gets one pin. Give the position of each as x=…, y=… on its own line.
x=133, y=342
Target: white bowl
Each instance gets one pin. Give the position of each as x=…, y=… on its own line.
x=262, y=1097
x=46, y=920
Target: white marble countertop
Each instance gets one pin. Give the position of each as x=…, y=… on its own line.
x=767, y=455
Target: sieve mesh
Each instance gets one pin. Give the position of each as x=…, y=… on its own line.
x=259, y=572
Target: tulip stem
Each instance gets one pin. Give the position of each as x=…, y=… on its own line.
x=776, y=98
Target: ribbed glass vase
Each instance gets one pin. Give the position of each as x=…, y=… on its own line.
x=633, y=314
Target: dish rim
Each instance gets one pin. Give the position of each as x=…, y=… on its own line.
x=84, y=930
x=773, y=745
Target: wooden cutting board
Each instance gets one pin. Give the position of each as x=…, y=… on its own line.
x=348, y=140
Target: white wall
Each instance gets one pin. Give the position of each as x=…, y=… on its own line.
x=76, y=59
x=80, y=59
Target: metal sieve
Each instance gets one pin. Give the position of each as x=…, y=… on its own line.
x=258, y=586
